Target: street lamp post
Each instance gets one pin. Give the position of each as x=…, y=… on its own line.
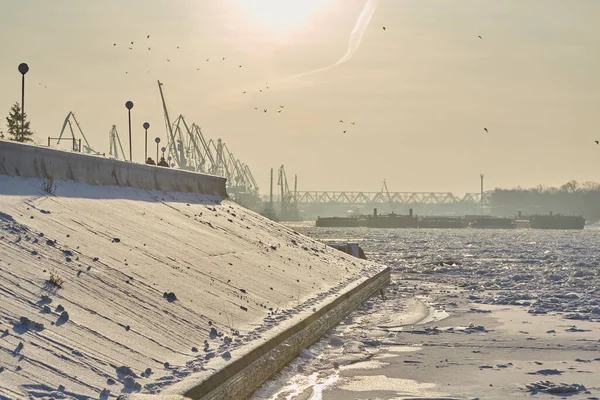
x=23, y=69
x=146, y=126
x=129, y=106
x=157, y=140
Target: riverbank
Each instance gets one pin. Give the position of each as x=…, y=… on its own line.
x=109, y=290
x=392, y=349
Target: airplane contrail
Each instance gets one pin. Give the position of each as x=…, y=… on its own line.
x=353, y=43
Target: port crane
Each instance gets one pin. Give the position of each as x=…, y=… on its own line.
x=189, y=150
x=71, y=122
x=389, y=198
x=114, y=139
x=289, y=204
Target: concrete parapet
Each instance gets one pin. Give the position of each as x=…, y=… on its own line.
x=136, y=396
x=17, y=159
x=244, y=376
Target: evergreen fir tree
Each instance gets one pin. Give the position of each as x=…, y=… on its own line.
x=13, y=123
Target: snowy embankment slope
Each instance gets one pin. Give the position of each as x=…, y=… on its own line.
x=157, y=286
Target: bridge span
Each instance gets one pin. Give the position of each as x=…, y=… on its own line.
x=396, y=198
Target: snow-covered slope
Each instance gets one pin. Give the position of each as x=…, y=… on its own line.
x=156, y=286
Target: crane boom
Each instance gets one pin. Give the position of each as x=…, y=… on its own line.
x=168, y=123
x=388, y=194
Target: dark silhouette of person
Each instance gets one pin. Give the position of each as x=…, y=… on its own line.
x=150, y=161
x=163, y=163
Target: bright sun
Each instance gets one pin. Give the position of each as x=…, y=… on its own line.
x=279, y=16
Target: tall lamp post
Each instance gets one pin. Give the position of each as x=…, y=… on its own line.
x=23, y=69
x=129, y=106
x=146, y=126
x=157, y=140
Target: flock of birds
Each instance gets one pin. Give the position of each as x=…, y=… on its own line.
x=266, y=87
x=132, y=43
x=265, y=110
x=130, y=46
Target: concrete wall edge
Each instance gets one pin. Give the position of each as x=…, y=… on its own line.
x=29, y=161
x=231, y=382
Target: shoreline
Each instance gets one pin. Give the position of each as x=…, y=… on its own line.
x=477, y=351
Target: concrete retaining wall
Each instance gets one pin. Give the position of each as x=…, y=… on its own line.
x=244, y=376
x=18, y=159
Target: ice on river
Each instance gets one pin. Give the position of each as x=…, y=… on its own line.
x=545, y=271
x=553, y=275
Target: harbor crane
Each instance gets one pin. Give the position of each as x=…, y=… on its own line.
x=387, y=191
x=71, y=122
x=114, y=139
x=289, y=205
x=189, y=150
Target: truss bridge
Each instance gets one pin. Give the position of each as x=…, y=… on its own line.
x=376, y=198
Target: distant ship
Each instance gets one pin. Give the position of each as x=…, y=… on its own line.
x=556, y=222
x=392, y=220
x=489, y=222
x=340, y=222
x=442, y=223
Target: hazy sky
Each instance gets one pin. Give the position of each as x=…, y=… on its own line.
x=420, y=92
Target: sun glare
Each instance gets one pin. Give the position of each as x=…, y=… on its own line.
x=279, y=16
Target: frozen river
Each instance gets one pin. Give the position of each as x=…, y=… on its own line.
x=530, y=294
x=545, y=270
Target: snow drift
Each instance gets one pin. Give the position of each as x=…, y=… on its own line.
x=108, y=290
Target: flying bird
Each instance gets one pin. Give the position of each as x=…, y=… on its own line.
x=279, y=111
x=479, y=36
x=130, y=48
x=384, y=28
x=223, y=58
x=265, y=110
x=485, y=129
x=207, y=59
x=131, y=42
x=240, y=66
x=341, y=121
x=352, y=123
x=148, y=37
x=280, y=106
x=114, y=44
x=168, y=59
x=597, y=141
x=344, y=132
x=243, y=92
x=148, y=48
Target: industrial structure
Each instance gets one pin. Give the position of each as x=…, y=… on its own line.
x=186, y=149
x=189, y=150
x=73, y=125
x=113, y=140
x=287, y=199
x=392, y=198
